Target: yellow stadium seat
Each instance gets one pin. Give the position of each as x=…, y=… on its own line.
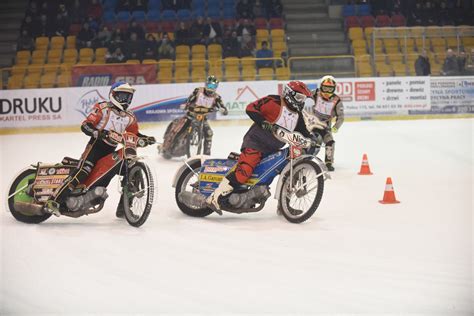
x=395, y=58
x=247, y=62
x=48, y=80
x=356, y=33
x=282, y=73
x=265, y=73
x=198, y=51
x=181, y=76
x=390, y=42
x=198, y=65
x=452, y=42
x=433, y=31
x=41, y=43
x=359, y=51
x=392, y=50
x=378, y=46
x=401, y=32
x=18, y=70
x=100, y=53
x=86, y=55
x=149, y=61
x=23, y=57
x=363, y=58
x=51, y=68
x=133, y=61
x=57, y=42
x=71, y=41
x=64, y=80
x=359, y=43
x=165, y=75
x=278, y=46
x=231, y=61
x=181, y=64
x=38, y=57
x=399, y=69
x=383, y=69
x=262, y=35
x=278, y=34
x=198, y=75
x=368, y=33
x=364, y=69
x=417, y=31
x=32, y=81
x=214, y=50
x=380, y=58
x=15, y=82
x=182, y=51
x=70, y=55
x=54, y=56
x=438, y=43
x=232, y=73
x=249, y=74
x=436, y=69
x=422, y=43
x=468, y=41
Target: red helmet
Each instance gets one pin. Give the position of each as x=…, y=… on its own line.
x=295, y=94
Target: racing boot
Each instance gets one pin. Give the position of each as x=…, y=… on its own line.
x=120, y=212
x=329, y=166
x=223, y=189
x=52, y=207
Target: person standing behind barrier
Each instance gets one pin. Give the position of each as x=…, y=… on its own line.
x=422, y=65
x=450, y=66
x=328, y=105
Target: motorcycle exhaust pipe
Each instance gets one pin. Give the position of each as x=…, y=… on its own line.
x=86, y=201
x=29, y=208
x=193, y=199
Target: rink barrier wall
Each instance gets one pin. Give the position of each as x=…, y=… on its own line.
x=363, y=98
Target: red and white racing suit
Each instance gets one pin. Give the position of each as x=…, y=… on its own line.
x=104, y=117
x=259, y=142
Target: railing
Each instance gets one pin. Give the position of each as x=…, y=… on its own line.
x=317, y=74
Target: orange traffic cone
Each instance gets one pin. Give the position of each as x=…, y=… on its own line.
x=364, y=167
x=389, y=194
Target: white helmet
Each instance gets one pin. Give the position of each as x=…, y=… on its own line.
x=327, y=86
x=121, y=95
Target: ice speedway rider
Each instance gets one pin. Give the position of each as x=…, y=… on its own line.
x=104, y=118
x=202, y=101
x=328, y=105
x=259, y=141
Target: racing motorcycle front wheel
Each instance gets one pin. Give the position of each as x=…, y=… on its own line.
x=20, y=201
x=301, y=193
x=138, y=194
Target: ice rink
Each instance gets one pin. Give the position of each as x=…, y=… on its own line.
x=353, y=256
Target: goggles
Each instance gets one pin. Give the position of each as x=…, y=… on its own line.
x=299, y=97
x=123, y=97
x=328, y=89
x=212, y=86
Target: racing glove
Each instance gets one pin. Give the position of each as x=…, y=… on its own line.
x=334, y=129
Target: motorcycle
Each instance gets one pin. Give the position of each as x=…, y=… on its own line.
x=36, y=184
x=299, y=190
x=184, y=136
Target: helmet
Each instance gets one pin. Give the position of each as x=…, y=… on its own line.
x=327, y=86
x=121, y=94
x=211, y=84
x=295, y=94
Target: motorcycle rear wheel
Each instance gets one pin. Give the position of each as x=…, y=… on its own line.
x=19, y=185
x=308, y=179
x=184, y=182
x=138, y=194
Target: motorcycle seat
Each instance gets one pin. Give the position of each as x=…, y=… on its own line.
x=233, y=156
x=70, y=161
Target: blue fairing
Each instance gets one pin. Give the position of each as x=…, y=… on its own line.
x=213, y=170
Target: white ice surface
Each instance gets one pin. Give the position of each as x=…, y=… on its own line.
x=354, y=256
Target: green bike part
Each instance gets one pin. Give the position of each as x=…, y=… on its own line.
x=22, y=196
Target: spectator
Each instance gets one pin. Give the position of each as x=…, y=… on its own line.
x=43, y=28
x=176, y=4
x=151, y=46
x=116, y=57
x=115, y=42
x=450, y=66
x=197, y=31
x=212, y=32
x=134, y=47
x=62, y=10
x=165, y=48
x=422, y=65
x=85, y=36
x=231, y=45
x=104, y=37
x=244, y=9
x=264, y=52
x=32, y=10
x=134, y=27
x=62, y=25
x=78, y=12
x=25, y=42
x=94, y=9
x=183, y=35
x=246, y=33
x=28, y=25
x=462, y=62
x=93, y=25
x=469, y=70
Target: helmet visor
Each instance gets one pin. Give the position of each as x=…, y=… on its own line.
x=212, y=85
x=299, y=97
x=328, y=89
x=123, y=97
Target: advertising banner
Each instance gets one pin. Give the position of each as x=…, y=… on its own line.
x=105, y=75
